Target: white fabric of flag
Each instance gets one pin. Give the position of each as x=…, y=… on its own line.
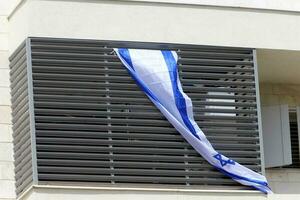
x=155, y=71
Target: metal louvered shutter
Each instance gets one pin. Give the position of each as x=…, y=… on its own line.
x=294, y=139
x=93, y=124
x=23, y=128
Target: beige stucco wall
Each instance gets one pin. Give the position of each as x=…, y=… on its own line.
x=282, y=181
x=139, y=20
x=7, y=188
x=62, y=193
x=277, y=94
x=155, y=22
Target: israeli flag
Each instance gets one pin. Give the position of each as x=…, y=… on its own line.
x=156, y=73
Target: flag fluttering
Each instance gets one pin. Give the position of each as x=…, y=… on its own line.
x=155, y=71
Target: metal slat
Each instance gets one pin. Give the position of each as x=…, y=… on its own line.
x=91, y=127
x=143, y=172
x=98, y=52
x=119, y=164
x=130, y=94
x=124, y=164
x=119, y=69
x=23, y=121
x=24, y=174
x=139, y=115
x=19, y=57
x=113, y=86
x=94, y=84
x=20, y=118
x=214, y=62
x=250, y=160
x=17, y=51
x=93, y=120
x=133, y=179
x=132, y=108
x=20, y=83
x=141, y=150
x=143, y=101
x=18, y=80
x=203, y=54
x=133, y=143
x=190, y=75
x=144, y=129
x=21, y=134
x=21, y=187
x=112, y=44
x=143, y=136
x=77, y=70
x=20, y=101
x=22, y=126
x=23, y=162
x=73, y=56
x=215, y=69
x=18, y=69
x=22, y=141
x=23, y=150
x=187, y=75
x=22, y=89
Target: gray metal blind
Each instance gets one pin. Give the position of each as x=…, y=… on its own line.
x=294, y=140
x=294, y=145
x=93, y=123
x=21, y=118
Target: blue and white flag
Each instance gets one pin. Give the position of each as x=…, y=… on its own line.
x=156, y=73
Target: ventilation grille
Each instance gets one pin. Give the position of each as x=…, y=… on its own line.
x=21, y=119
x=93, y=124
x=294, y=140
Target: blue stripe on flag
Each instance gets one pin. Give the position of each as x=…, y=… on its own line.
x=234, y=176
x=179, y=99
x=124, y=53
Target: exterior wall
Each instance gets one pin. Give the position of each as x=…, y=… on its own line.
x=7, y=187
x=276, y=94
x=63, y=193
x=154, y=22
x=282, y=181
x=136, y=20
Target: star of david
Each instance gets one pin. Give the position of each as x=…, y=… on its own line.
x=223, y=162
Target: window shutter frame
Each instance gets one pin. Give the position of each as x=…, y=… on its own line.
x=60, y=83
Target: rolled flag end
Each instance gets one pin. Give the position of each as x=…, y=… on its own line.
x=264, y=189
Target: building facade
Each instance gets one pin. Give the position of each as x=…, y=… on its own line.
x=239, y=63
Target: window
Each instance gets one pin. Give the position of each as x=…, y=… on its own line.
x=79, y=117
